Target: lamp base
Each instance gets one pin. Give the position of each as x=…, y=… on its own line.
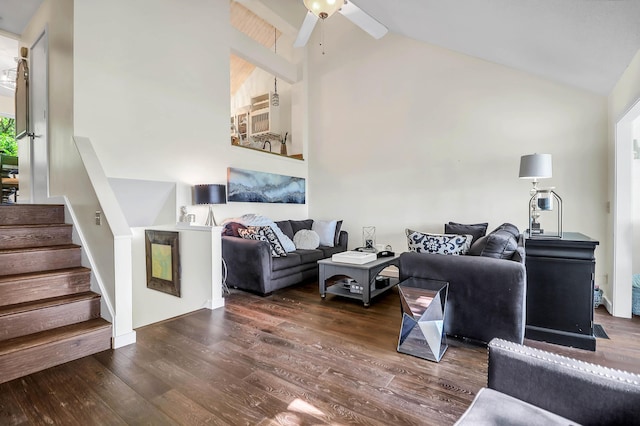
x=211, y=221
x=535, y=229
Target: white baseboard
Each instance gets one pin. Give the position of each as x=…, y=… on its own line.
x=215, y=304
x=607, y=304
x=123, y=340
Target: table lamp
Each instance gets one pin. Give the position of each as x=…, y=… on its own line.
x=539, y=166
x=210, y=194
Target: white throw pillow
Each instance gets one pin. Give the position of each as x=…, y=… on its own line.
x=306, y=239
x=326, y=230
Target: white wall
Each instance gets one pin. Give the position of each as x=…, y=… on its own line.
x=622, y=100
x=56, y=17
x=7, y=106
x=635, y=191
x=405, y=134
x=155, y=102
x=67, y=174
x=200, y=274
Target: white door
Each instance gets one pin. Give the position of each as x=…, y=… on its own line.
x=39, y=106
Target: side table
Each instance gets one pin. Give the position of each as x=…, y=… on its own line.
x=423, y=303
x=560, y=284
x=364, y=274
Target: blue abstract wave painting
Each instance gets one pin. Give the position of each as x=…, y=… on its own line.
x=249, y=186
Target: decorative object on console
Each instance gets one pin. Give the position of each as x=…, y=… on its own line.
x=453, y=244
x=369, y=238
x=539, y=166
x=163, y=261
x=260, y=187
x=183, y=214
x=210, y=194
x=540, y=205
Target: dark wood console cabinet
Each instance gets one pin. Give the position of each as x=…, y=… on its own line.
x=560, y=284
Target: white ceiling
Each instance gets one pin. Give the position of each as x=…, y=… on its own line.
x=583, y=43
x=15, y=14
x=14, y=17
x=8, y=51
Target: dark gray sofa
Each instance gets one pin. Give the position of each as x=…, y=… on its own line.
x=487, y=295
x=251, y=267
x=528, y=386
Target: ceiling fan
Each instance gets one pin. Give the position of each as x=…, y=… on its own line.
x=322, y=9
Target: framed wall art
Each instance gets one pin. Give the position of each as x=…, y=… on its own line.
x=260, y=187
x=163, y=261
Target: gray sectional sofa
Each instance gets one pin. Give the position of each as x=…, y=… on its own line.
x=487, y=286
x=251, y=267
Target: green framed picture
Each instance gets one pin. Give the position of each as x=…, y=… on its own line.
x=163, y=261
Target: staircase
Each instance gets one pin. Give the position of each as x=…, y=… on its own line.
x=48, y=314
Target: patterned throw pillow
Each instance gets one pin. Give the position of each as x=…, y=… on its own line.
x=252, y=219
x=421, y=242
x=264, y=233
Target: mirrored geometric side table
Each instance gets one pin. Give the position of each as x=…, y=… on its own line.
x=423, y=304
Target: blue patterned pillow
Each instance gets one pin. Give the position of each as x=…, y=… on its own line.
x=421, y=242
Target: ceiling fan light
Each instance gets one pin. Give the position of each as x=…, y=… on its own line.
x=323, y=8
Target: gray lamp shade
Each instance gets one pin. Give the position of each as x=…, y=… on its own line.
x=535, y=166
x=210, y=194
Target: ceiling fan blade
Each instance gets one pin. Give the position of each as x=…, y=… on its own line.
x=305, y=30
x=363, y=20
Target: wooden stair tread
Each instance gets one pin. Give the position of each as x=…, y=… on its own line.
x=44, y=274
x=48, y=313
x=46, y=303
x=15, y=214
x=36, y=249
x=55, y=335
x=37, y=225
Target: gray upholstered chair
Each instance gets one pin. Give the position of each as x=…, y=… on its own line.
x=486, y=295
x=528, y=386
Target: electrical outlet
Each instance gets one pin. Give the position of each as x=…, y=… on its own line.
x=98, y=217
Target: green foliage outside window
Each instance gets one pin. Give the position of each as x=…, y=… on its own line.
x=8, y=142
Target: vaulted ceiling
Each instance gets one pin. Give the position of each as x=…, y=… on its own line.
x=258, y=29
x=583, y=43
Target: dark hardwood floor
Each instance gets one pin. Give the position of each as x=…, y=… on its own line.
x=289, y=359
